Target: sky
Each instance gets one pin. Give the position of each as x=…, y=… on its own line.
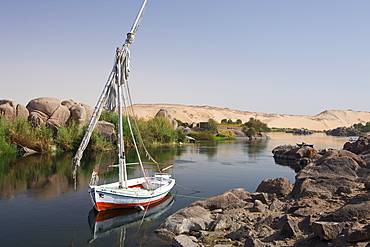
x=269, y=56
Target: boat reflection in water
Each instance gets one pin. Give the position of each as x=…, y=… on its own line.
x=107, y=222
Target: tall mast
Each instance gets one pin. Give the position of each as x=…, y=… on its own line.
x=123, y=54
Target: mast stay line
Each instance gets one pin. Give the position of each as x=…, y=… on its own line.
x=108, y=88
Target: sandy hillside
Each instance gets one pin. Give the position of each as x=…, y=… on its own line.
x=330, y=119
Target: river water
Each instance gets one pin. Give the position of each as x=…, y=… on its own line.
x=42, y=205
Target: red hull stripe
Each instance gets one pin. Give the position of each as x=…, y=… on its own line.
x=101, y=206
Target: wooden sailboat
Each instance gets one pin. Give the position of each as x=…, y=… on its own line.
x=126, y=192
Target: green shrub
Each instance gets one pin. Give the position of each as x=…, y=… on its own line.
x=157, y=130
x=212, y=126
x=5, y=147
x=39, y=138
x=225, y=135
x=98, y=143
x=205, y=135
x=69, y=136
x=257, y=125
x=249, y=132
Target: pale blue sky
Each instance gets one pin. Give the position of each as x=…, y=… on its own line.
x=288, y=57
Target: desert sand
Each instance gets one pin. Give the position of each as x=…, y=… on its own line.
x=328, y=119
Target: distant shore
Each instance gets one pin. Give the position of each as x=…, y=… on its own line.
x=328, y=119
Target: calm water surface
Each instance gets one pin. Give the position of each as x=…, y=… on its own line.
x=42, y=205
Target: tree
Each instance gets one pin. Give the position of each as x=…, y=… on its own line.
x=257, y=125
x=249, y=132
x=223, y=121
x=212, y=126
x=239, y=122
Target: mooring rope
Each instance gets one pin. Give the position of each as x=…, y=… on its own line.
x=197, y=191
x=195, y=197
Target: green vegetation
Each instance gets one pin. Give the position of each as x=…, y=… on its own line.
x=362, y=128
x=253, y=126
x=290, y=130
x=257, y=125
x=354, y=130
x=69, y=136
x=212, y=126
x=225, y=135
x=158, y=130
x=229, y=121
x=5, y=147
x=204, y=135
x=22, y=132
x=154, y=132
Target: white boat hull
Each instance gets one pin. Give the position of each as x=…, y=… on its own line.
x=140, y=192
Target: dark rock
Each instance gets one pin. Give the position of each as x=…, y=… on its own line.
x=279, y=186
x=343, y=189
x=242, y=233
x=358, y=208
x=192, y=218
x=276, y=204
x=229, y=221
x=326, y=176
x=286, y=152
x=164, y=234
x=341, y=153
x=359, y=234
x=306, y=224
x=360, y=146
x=230, y=199
x=289, y=226
x=258, y=206
x=183, y=241
x=262, y=197
x=253, y=243
x=343, y=131
x=328, y=230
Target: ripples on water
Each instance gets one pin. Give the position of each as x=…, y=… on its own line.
x=41, y=204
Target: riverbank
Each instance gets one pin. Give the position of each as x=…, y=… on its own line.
x=328, y=205
x=328, y=119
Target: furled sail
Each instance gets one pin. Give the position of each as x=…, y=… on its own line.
x=109, y=96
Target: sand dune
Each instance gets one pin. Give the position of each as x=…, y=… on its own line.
x=329, y=119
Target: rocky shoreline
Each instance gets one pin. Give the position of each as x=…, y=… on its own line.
x=328, y=205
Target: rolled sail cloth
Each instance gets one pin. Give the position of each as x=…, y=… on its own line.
x=112, y=98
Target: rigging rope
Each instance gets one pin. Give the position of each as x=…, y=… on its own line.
x=124, y=97
x=137, y=128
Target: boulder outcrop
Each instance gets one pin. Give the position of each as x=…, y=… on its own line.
x=49, y=111
x=278, y=186
x=360, y=146
x=166, y=114
x=328, y=205
x=326, y=176
x=11, y=110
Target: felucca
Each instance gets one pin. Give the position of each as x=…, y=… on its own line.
x=126, y=192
